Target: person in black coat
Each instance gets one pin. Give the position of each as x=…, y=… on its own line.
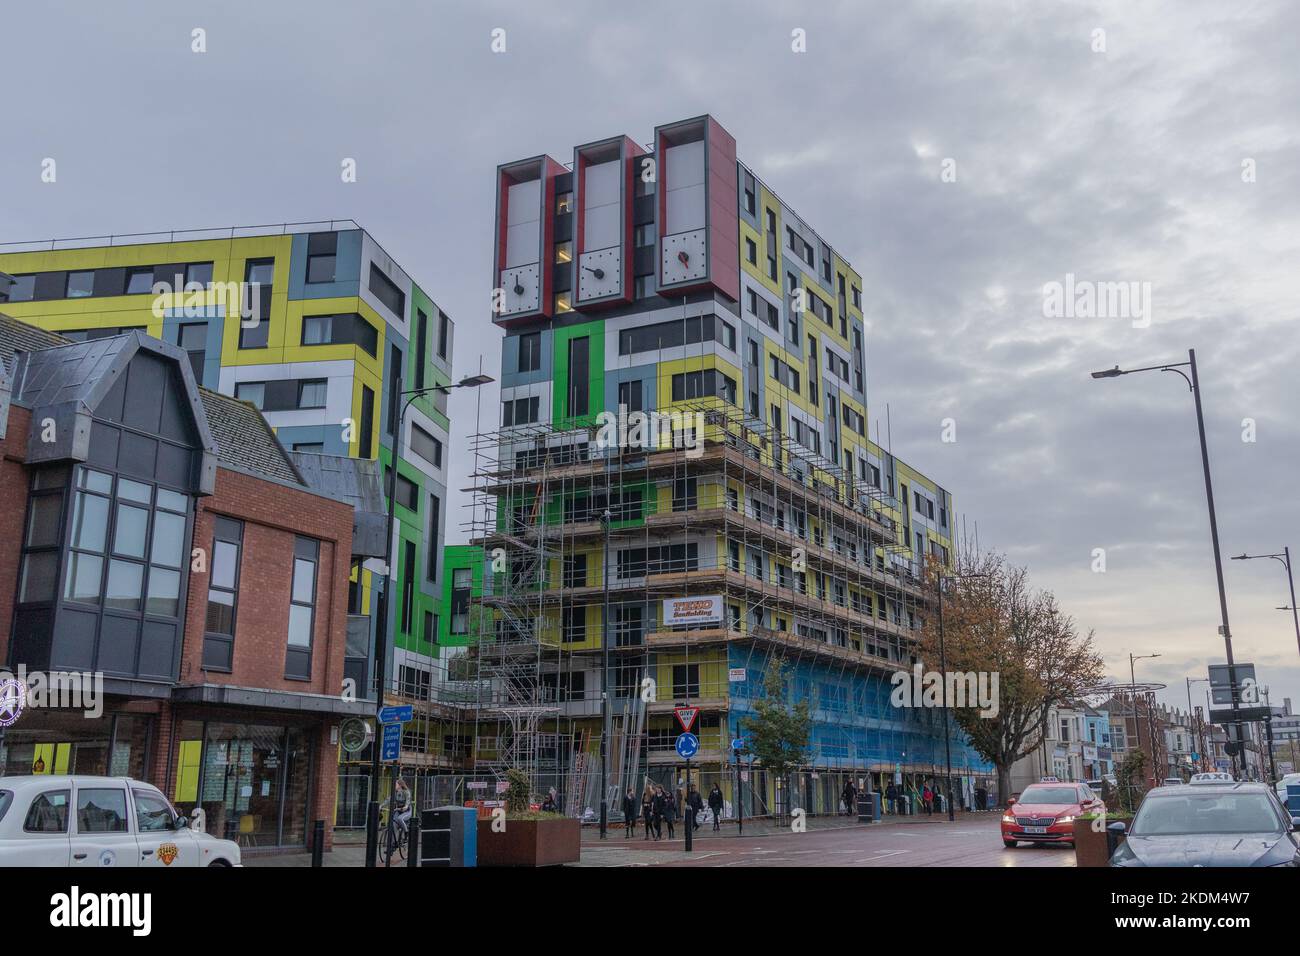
x=631, y=809
x=696, y=803
x=715, y=804
x=648, y=811
x=670, y=812
x=850, y=797
x=658, y=807
x=891, y=797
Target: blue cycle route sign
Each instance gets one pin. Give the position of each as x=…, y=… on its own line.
x=687, y=746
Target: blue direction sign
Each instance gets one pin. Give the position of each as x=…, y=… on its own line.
x=392, y=742
x=395, y=715
x=738, y=744
x=687, y=745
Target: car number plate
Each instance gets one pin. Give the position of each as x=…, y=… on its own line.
x=1035, y=829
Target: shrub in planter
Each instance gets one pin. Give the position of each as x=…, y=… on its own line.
x=1090, y=837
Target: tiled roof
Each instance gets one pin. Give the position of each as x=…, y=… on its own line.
x=16, y=336
x=354, y=480
x=244, y=439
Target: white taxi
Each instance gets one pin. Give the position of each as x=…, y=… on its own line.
x=50, y=820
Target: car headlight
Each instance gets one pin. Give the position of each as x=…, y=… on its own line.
x=1008, y=818
x=1065, y=819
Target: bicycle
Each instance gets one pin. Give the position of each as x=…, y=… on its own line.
x=395, y=837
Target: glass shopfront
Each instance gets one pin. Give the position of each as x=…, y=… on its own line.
x=66, y=741
x=252, y=781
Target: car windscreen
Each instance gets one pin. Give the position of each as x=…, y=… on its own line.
x=1206, y=813
x=6, y=800
x=1050, y=795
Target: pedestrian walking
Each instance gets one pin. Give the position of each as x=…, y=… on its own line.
x=891, y=798
x=630, y=811
x=670, y=813
x=647, y=810
x=658, y=806
x=715, y=805
x=927, y=800
x=850, y=797
x=696, y=803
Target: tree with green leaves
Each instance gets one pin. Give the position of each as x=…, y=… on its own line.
x=778, y=733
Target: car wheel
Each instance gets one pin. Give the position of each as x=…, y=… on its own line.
x=220, y=863
x=1010, y=844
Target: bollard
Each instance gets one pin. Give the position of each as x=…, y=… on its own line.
x=690, y=826
x=413, y=840
x=318, y=843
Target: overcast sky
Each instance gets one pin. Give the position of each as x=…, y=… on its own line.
x=1121, y=157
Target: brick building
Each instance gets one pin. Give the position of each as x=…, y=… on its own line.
x=156, y=536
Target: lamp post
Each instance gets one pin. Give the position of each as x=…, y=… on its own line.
x=381, y=625
x=1194, y=383
x=606, y=717
x=943, y=674
x=1285, y=559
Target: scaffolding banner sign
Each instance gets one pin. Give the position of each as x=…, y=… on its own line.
x=692, y=610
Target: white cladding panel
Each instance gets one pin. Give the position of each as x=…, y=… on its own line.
x=600, y=201
x=686, y=192
x=523, y=229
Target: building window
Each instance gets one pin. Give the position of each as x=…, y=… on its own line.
x=386, y=291
x=444, y=333
x=322, y=256
x=426, y=446
x=629, y=396
x=520, y=411
x=252, y=392
x=564, y=252
x=564, y=203
x=139, y=281
x=421, y=346
x=223, y=594
x=40, y=568
x=302, y=609
x=686, y=681
x=80, y=284
x=407, y=492
x=312, y=392
x=435, y=538
x=344, y=329
x=751, y=251
x=685, y=494
x=579, y=372
x=365, y=440
x=563, y=302
x=530, y=352
x=408, y=585
x=193, y=338
x=574, y=624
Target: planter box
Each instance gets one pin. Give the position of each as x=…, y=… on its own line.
x=530, y=843
x=1090, y=844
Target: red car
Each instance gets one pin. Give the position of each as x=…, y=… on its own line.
x=1045, y=812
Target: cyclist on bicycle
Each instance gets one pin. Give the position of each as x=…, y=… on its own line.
x=401, y=804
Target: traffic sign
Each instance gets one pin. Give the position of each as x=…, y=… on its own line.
x=392, y=742
x=395, y=715
x=686, y=717
x=738, y=744
x=687, y=745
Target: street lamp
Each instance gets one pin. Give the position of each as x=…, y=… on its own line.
x=1194, y=383
x=381, y=625
x=943, y=674
x=1285, y=559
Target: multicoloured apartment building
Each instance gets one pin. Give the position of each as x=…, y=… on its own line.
x=669, y=278
x=316, y=326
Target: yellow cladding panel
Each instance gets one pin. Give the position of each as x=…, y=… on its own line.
x=368, y=377
x=851, y=279
x=294, y=351
x=779, y=390
x=758, y=269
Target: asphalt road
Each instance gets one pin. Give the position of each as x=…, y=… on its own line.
x=972, y=841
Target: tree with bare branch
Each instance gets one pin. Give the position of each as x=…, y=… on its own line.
x=995, y=622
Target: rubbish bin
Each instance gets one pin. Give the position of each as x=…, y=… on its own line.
x=868, y=807
x=938, y=803
x=905, y=804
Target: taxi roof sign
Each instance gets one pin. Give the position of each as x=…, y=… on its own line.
x=1216, y=776
x=1049, y=780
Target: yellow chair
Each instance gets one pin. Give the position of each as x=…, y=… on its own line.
x=248, y=830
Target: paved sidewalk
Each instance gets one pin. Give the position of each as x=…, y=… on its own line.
x=350, y=847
